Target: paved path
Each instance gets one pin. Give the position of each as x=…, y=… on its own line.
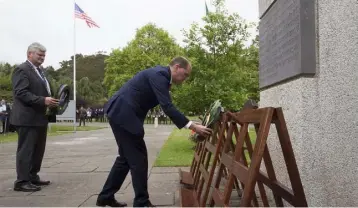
x=78, y=164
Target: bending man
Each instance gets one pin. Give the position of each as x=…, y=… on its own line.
x=126, y=111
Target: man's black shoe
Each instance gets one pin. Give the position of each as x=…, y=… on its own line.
x=111, y=203
x=149, y=204
x=40, y=183
x=26, y=187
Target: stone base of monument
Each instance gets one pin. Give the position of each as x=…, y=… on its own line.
x=308, y=66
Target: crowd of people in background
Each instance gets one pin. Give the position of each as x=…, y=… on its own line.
x=83, y=115
x=162, y=117
x=90, y=114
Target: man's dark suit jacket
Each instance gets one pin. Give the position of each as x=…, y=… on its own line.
x=29, y=92
x=128, y=107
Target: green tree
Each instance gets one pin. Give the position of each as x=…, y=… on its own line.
x=90, y=92
x=223, y=68
x=151, y=46
x=5, y=81
x=89, y=76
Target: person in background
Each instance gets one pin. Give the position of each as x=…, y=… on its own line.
x=83, y=115
x=89, y=114
x=4, y=109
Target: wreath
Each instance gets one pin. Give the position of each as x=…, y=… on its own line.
x=210, y=118
x=63, y=95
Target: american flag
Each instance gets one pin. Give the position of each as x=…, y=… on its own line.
x=80, y=14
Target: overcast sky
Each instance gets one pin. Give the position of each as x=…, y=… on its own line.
x=51, y=22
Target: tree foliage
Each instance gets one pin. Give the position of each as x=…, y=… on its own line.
x=5, y=81
x=89, y=76
x=151, y=46
x=223, y=67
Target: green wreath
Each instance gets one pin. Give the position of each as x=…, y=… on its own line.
x=211, y=116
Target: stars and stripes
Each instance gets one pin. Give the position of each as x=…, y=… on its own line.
x=80, y=14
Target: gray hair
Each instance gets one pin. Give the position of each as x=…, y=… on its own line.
x=36, y=47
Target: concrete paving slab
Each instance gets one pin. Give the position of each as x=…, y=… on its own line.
x=74, y=183
x=155, y=177
x=158, y=199
x=43, y=201
x=168, y=169
x=71, y=169
x=163, y=186
x=77, y=165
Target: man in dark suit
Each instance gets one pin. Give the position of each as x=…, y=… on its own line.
x=32, y=96
x=126, y=111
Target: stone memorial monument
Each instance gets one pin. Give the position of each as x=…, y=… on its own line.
x=309, y=67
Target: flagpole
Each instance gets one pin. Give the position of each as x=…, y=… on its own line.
x=74, y=64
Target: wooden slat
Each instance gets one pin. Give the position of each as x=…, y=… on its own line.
x=218, y=198
x=204, y=172
x=188, y=197
x=289, y=157
x=260, y=185
x=210, y=147
x=278, y=188
x=186, y=178
x=265, y=122
x=227, y=160
x=240, y=171
x=249, y=116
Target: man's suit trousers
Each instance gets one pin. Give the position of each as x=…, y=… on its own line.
x=30, y=152
x=133, y=156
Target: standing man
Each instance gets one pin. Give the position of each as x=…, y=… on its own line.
x=126, y=112
x=4, y=113
x=32, y=96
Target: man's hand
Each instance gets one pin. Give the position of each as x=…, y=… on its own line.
x=200, y=129
x=52, y=102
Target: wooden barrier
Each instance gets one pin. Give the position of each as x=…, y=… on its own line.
x=198, y=193
x=239, y=169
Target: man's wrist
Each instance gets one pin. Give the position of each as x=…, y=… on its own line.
x=187, y=126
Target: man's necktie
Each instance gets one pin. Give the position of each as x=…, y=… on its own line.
x=42, y=75
x=44, y=80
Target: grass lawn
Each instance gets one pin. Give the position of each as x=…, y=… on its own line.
x=55, y=130
x=194, y=118
x=178, y=149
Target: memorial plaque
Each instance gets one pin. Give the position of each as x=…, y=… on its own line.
x=287, y=41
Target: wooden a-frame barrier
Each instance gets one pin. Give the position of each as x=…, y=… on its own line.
x=231, y=168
